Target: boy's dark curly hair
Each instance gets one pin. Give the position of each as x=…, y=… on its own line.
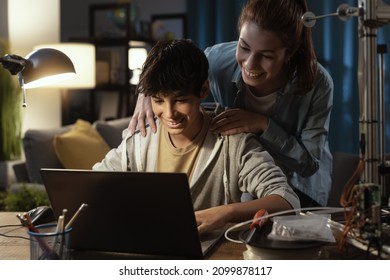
x=173, y=67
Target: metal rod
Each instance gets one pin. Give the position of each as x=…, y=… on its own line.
x=368, y=92
x=327, y=15
x=381, y=74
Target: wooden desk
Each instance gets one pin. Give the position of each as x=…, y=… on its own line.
x=14, y=248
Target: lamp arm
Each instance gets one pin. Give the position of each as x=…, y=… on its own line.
x=13, y=63
x=344, y=12
x=375, y=13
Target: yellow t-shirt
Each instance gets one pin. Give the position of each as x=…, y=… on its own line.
x=172, y=159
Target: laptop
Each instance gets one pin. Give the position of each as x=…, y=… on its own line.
x=129, y=214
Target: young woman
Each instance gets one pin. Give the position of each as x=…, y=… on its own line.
x=274, y=86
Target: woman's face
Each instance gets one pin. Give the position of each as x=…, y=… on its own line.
x=262, y=59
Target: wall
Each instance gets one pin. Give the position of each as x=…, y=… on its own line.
x=74, y=13
x=29, y=24
x=3, y=19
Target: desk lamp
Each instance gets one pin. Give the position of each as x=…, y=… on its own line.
x=39, y=68
x=83, y=56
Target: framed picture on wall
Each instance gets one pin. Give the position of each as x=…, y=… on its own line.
x=110, y=20
x=169, y=26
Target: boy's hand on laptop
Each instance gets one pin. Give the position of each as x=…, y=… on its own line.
x=212, y=218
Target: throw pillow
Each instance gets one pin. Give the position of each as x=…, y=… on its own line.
x=39, y=151
x=112, y=130
x=81, y=147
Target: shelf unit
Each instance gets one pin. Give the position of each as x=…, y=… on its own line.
x=111, y=31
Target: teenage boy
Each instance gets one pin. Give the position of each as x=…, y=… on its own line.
x=219, y=168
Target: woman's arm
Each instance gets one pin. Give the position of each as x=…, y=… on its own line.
x=299, y=146
x=295, y=135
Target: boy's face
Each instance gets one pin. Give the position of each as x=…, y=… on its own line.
x=179, y=114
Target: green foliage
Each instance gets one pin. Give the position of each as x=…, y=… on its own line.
x=10, y=112
x=25, y=199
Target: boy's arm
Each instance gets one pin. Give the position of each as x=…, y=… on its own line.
x=113, y=159
x=217, y=217
x=258, y=173
x=111, y=162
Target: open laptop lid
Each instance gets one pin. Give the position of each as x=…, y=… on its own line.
x=128, y=212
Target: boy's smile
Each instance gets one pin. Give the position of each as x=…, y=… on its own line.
x=180, y=115
x=174, y=124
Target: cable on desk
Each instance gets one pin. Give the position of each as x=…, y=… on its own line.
x=14, y=236
x=317, y=209
x=3, y=226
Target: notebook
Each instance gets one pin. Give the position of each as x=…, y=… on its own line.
x=139, y=214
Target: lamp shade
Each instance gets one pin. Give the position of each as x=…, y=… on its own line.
x=83, y=56
x=137, y=57
x=46, y=66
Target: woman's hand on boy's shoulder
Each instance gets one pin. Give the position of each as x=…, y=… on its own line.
x=143, y=114
x=234, y=121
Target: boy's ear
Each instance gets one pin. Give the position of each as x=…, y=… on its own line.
x=204, y=92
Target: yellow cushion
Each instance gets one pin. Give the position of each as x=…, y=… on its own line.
x=81, y=147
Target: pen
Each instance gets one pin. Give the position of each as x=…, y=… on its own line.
x=26, y=221
x=62, y=230
x=59, y=229
x=64, y=211
x=75, y=216
x=29, y=224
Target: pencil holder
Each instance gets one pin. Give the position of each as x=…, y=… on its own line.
x=47, y=244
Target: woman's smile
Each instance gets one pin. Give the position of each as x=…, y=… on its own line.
x=251, y=74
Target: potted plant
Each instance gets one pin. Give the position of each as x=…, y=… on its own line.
x=10, y=119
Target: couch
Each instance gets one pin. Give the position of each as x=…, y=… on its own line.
x=42, y=147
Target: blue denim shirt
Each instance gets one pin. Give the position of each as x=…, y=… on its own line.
x=297, y=134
